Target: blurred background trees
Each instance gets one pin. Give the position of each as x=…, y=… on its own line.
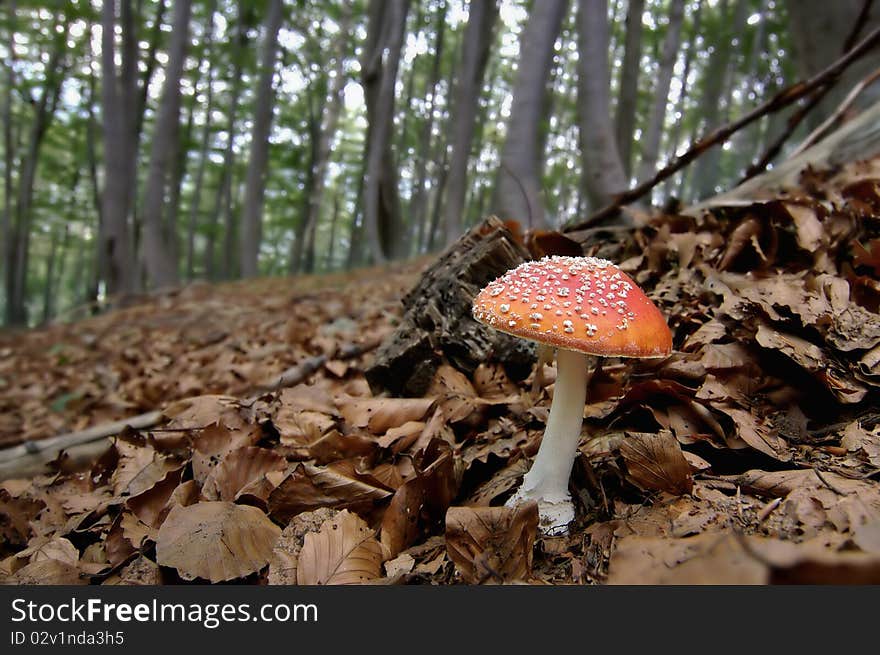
x=147, y=143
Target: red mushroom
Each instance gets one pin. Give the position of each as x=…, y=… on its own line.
x=582, y=306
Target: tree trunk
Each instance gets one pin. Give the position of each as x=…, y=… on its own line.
x=603, y=170
x=222, y=211
x=19, y=239
x=332, y=108
x=518, y=190
x=475, y=55
x=666, y=68
x=677, y=113
x=379, y=67
x=255, y=180
x=418, y=205
x=196, y=198
x=625, y=121
x=50, y=275
x=334, y=221
x=118, y=99
x=716, y=78
x=8, y=143
x=159, y=251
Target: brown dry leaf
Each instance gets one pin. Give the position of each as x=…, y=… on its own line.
x=151, y=506
x=140, y=468
x=757, y=434
x=867, y=443
x=240, y=468
x=212, y=444
x=199, y=412
x=381, y=414
x=49, y=572
x=500, y=483
x=420, y=503
x=655, y=461
x=402, y=437
x=57, y=548
x=492, y=544
x=343, y=551
x=16, y=513
x=334, y=446
x=724, y=558
x=338, y=485
x=285, y=554
x=216, y=540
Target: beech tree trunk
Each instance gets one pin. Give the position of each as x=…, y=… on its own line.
x=666, y=68
x=222, y=265
x=8, y=142
x=204, y=144
x=20, y=234
x=255, y=180
x=159, y=249
x=627, y=99
x=518, y=191
x=382, y=219
x=418, y=207
x=603, y=171
x=332, y=108
x=716, y=79
x=475, y=55
x=119, y=98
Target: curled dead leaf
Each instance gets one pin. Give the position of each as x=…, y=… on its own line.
x=492, y=544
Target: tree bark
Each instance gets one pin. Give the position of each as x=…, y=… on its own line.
x=255, y=180
x=518, y=190
x=604, y=174
x=19, y=238
x=8, y=142
x=627, y=99
x=332, y=107
x=677, y=113
x=419, y=203
x=159, y=250
x=666, y=68
x=118, y=99
x=716, y=79
x=475, y=54
x=379, y=67
x=222, y=210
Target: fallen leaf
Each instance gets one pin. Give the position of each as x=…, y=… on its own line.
x=343, y=551
x=492, y=544
x=655, y=461
x=216, y=540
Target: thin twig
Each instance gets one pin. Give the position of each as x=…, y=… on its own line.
x=782, y=99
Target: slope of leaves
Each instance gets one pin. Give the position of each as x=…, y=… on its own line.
x=751, y=455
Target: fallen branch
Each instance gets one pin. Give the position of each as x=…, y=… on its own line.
x=30, y=457
x=797, y=117
x=782, y=99
x=816, y=134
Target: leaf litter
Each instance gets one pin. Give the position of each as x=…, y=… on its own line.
x=750, y=456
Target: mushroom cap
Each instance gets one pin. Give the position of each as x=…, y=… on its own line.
x=578, y=303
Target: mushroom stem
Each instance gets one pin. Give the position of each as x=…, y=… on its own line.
x=547, y=480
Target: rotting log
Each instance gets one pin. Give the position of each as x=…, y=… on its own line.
x=437, y=324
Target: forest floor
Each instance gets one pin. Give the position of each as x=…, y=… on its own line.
x=751, y=455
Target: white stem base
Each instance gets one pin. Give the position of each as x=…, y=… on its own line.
x=547, y=480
